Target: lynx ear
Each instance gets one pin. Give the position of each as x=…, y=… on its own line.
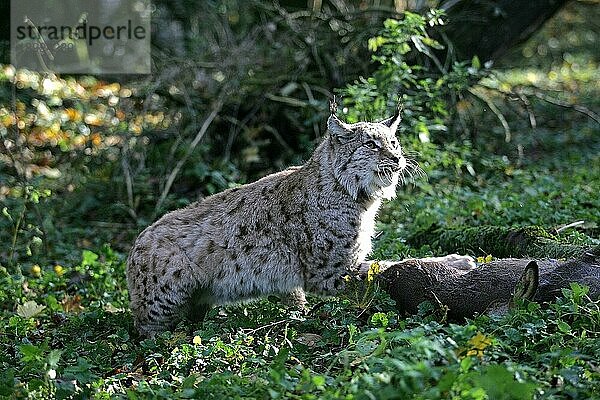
x=337, y=128
x=394, y=122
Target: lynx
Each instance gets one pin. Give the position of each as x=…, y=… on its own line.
x=302, y=229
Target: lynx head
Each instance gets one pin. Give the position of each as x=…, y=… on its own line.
x=366, y=157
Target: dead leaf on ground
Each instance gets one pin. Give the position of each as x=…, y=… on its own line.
x=72, y=303
x=29, y=309
x=308, y=339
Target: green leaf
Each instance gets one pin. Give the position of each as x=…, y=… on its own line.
x=379, y=319
x=80, y=372
x=475, y=63
x=54, y=357
x=318, y=380
x=36, y=241
x=189, y=382
x=376, y=42
x=432, y=43
x=31, y=353
x=53, y=303
x=6, y=214
x=419, y=45
x=499, y=383
x=29, y=309
x=7, y=382
x=564, y=327
x=88, y=257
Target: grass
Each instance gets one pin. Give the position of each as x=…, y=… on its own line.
x=83, y=345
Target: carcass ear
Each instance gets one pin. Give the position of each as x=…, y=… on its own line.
x=336, y=127
x=394, y=122
x=527, y=285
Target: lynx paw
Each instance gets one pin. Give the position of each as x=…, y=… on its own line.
x=295, y=299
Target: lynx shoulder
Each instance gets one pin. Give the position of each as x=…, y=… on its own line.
x=304, y=228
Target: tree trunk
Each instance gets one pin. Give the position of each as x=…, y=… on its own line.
x=488, y=29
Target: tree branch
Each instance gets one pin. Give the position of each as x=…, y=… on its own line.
x=171, y=178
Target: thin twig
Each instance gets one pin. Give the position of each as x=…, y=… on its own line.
x=112, y=225
x=238, y=125
x=179, y=138
x=278, y=137
x=576, y=107
x=287, y=100
x=494, y=109
x=207, y=122
x=128, y=180
x=270, y=325
x=311, y=100
x=528, y=108
x=449, y=4
x=571, y=225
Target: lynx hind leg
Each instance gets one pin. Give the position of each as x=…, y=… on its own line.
x=159, y=289
x=296, y=298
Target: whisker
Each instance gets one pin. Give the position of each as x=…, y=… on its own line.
x=415, y=169
x=401, y=178
x=411, y=153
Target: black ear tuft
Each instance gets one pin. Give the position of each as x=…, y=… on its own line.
x=336, y=127
x=333, y=105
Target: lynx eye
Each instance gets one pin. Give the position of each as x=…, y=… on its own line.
x=371, y=144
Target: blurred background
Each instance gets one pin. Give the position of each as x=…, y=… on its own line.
x=501, y=111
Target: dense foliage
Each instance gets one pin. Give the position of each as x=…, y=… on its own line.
x=90, y=164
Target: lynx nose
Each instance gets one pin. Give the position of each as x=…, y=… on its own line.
x=402, y=163
x=399, y=161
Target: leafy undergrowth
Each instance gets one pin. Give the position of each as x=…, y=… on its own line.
x=557, y=190
x=66, y=333
x=545, y=177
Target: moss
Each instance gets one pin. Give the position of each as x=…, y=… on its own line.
x=500, y=241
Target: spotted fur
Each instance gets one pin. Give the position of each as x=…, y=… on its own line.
x=304, y=228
